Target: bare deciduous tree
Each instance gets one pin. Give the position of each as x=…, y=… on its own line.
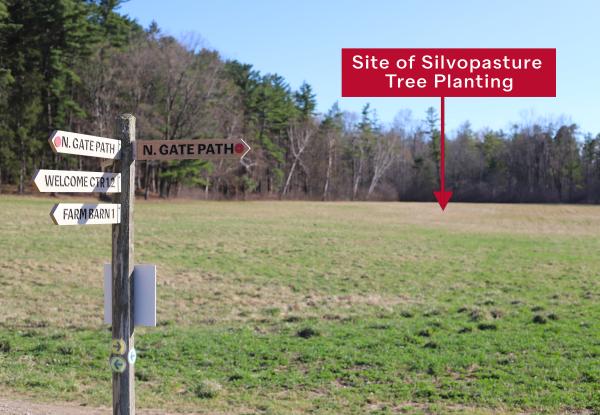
x=386, y=151
x=300, y=135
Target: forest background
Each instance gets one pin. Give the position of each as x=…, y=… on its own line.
x=75, y=65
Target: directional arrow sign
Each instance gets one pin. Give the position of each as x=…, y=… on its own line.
x=64, y=181
x=191, y=149
x=65, y=142
x=86, y=214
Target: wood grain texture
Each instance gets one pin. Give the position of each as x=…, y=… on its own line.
x=122, y=266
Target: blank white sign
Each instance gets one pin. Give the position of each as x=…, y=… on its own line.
x=144, y=295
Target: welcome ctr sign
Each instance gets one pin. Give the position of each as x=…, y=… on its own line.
x=66, y=181
x=191, y=149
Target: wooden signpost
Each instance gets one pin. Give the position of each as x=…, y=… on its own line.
x=122, y=268
x=124, y=151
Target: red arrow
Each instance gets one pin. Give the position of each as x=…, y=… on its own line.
x=442, y=196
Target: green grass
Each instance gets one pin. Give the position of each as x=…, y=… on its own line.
x=292, y=307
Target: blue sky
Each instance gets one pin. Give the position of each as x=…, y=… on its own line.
x=302, y=40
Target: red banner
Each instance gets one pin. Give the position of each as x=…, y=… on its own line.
x=448, y=72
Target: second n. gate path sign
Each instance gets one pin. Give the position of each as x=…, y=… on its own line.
x=191, y=149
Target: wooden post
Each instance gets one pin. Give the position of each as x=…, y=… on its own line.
x=122, y=269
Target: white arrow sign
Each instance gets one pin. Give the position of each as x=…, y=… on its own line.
x=64, y=181
x=65, y=142
x=86, y=214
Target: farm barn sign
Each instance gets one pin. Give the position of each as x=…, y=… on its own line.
x=86, y=214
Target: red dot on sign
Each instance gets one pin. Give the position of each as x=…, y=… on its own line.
x=239, y=148
x=57, y=141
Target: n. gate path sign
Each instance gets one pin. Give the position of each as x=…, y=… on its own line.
x=191, y=149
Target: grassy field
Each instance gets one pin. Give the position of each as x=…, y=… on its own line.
x=315, y=308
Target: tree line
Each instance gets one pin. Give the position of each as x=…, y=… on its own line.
x=75, y=65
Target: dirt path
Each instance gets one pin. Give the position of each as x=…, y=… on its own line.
x=21, y=407
x=24, y=407
x=30, y=408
